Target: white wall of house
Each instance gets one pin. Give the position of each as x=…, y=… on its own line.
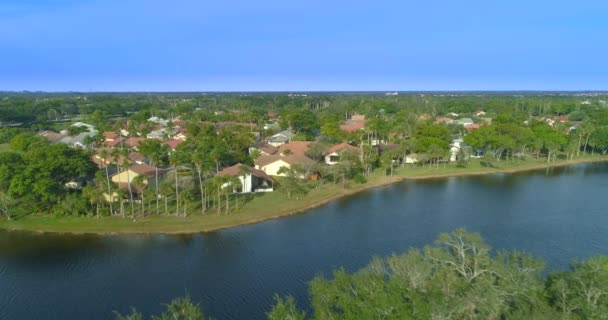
x=274, y=167
x=330, y=161
x=124, y=177
x=455, y=148
x=276, y=143
x=246, y=183
x=411, y=159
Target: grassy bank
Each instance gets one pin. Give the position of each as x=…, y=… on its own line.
x=265, y=206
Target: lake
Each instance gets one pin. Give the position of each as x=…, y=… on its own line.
x=557, y=214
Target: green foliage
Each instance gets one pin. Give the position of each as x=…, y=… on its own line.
x=285, y=309
x=133, y=315
x=178, y=309
x=71, y=205
x=25, y=141
x=181, y=309
x=43, y=171
x=457, y=278
x=300, y=121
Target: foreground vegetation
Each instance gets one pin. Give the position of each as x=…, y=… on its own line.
x=267, y=205
x=458, y=277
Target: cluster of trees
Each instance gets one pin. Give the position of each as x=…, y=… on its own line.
x=34, y=174
x=456, y=278
x=178, y=309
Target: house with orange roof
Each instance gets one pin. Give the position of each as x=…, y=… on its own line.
x=332, y=155
x=354, y=124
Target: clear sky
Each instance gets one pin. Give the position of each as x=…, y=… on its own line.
x=282, y=45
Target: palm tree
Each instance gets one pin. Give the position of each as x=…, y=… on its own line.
x=126, y=164
x=174, y=162
x=94, y=196
x=166, y=189
x=140, y=182
x=104, y=155
x=233, y=184
x=157, y=152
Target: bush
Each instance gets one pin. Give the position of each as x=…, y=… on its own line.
x=72, y=205
x=359, y=179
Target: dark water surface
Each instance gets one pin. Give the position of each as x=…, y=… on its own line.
x=557, y=214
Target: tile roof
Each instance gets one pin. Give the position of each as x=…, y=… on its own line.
x=235, y=171
x=174, y=143
x=266, y=148
x=265, y=160
x=298, y=148
x=342, y=146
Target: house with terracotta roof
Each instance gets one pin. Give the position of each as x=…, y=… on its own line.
x=251, y=179
x=294, y=148
x=287, y=155
x=172, y=144
x=472, y=126
x=133, y=142
x=272, y=164
x=264, y=148
x=354, y=124
x=125, y=176
x=332, y=155
x=51, y=136
x=443, y=120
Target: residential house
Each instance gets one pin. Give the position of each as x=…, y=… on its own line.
x=472, y=126
x=464, y=121
x=410, y=158
x=479, y=113
x=180, y=135
x=355, y=123
x=333, y=154
x=455, y=147
x=51, y=136
x=125, y=176
x=264, y=148
x=76, y=141
x=172, y=144
x=293, y=153
x=160, y=121
x=272, y=164
x=443, y=120
x=452, y=115
x=111, y=139
x=133, y=143
x=251, y=179
x=281, y=138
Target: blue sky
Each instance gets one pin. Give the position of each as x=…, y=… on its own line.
x=189, y=45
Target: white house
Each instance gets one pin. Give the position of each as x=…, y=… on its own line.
x=333, y=154
x=465, y=121
x=251, y=179
x=455, y=147
x=272, y=164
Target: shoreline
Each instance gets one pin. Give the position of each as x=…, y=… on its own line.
x=383, y=181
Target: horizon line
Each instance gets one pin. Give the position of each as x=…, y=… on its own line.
x=312, y=91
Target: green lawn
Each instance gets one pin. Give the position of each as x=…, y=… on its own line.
x=261, y=207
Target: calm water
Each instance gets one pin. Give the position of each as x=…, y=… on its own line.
x=557, y=214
